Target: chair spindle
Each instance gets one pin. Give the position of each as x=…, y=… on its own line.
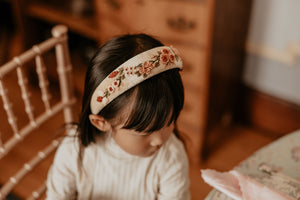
x=43, y=81
x=8, y=108
x=22, y=81
x=14, y=180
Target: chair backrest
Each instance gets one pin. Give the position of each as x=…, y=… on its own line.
x=24, y=119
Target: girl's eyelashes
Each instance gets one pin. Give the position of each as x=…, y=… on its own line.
x=145, y=134
x=141, y=134
x=137, y=133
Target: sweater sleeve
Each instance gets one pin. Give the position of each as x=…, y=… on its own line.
x=174, y=175
x=61, y=181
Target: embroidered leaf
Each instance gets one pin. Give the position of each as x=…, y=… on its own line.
x=106, y=93
x=137, y=73
x=113, y=74
x=121, y=70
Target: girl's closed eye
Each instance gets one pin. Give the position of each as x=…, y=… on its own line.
x=140, y=135
x=144, y=134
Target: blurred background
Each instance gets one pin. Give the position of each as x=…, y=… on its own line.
x=241, y=63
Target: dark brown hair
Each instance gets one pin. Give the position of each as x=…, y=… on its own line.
x=157, y=98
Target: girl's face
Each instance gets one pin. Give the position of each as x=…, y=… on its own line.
x=131, y=141
x=141, y=144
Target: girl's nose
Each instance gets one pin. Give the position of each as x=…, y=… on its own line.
x=157, y=140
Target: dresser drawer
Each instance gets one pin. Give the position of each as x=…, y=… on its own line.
x=191, y=122
x=185, y=21
x=195, y=69
x=194, y=107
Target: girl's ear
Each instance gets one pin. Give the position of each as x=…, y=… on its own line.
x=100, y=123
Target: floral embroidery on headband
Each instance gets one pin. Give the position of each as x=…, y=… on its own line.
x=164, y=57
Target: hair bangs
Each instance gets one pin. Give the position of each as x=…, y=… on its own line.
x=154, y=106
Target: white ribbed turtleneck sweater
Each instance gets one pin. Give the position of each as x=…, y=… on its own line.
x=109, y=173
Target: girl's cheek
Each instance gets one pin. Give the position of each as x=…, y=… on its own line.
x=167, y=133
x=137, y=142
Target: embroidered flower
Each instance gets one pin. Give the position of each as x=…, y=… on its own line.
x=164, y=58
x=172, y=58
x=146, y=68
x=165, y=51
x=99, y=99
x=130, y=70
x=167, y=57
x=100, y=93
x=116, y=83
x=111, y=89
x=102, y=97
x=105, y=100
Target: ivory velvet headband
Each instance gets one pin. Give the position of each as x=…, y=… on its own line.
x=132, y=72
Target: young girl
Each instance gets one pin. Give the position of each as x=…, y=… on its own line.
x=127, y=147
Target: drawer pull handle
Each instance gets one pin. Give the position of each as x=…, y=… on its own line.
x=140, y=2
x=181, y=24
x=114, y=4
x=188, y=67
x=187, y=107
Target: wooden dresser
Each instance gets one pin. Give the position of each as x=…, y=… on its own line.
x=185, y=24
x=197, y=28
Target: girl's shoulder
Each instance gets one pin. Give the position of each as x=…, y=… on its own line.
x=173, y=156
x=174, y=144
x=70, y=150
x=72, y=147
x=173, y=150
x=69, y=146
x=70, y=140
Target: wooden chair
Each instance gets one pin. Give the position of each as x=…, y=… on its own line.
x=18, y=130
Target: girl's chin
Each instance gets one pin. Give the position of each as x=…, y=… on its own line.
x=146, y=153
x=150, y=153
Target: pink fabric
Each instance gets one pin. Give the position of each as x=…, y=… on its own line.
x=239, y=186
